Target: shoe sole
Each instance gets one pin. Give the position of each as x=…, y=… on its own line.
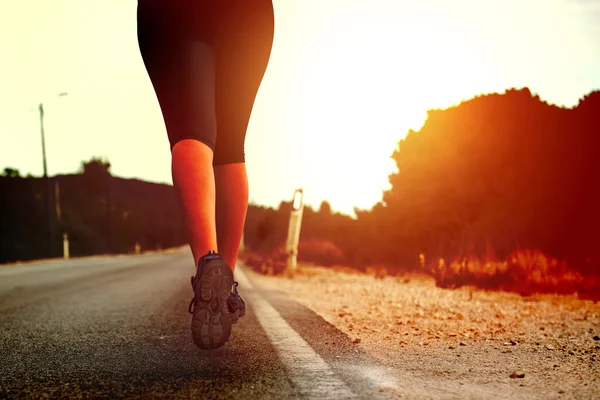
x=211, y=323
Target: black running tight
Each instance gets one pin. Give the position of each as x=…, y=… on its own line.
x=206, y=59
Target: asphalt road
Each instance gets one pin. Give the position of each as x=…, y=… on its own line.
x=114, y=327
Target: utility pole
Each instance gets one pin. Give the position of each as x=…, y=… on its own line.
x=49, y=195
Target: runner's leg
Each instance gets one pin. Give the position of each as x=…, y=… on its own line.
x=192, y=166
x=242, y=47
x=182, y=70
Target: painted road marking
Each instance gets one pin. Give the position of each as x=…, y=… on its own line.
x=307, y=370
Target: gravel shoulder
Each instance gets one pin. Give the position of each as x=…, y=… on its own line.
x=463, y=343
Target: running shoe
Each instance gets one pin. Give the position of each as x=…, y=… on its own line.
x=211, y=321
x=237, y=306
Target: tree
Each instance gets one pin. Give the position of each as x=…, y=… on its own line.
x=96, y=167
x=499, y=171
x=11, y=172
x=325, y=208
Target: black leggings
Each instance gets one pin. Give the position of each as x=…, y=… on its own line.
x=206, y=59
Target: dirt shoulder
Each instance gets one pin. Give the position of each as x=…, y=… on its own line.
x=459, y=343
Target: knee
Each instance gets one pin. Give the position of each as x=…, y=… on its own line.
x=229, y=156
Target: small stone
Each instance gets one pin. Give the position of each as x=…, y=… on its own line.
x=596, y=337
x=550, y=347
x=356, y=341
x=561, y=391
x=462, y=344
x=451, y=334
x=403, y=342
x=517, y=374
x=451, y=347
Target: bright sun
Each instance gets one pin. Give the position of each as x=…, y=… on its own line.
x=347, y=88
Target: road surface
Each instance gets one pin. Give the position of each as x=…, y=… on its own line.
x=113, y=327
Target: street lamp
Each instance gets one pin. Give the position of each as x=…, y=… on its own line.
x=49, y=201
x=41, y=109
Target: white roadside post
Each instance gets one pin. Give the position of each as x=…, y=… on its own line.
x=65, y=246
x=294, y=230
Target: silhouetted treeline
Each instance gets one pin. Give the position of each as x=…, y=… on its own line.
x=497, y=173
x=489, y=176
x=494, y=174
x=100, y=214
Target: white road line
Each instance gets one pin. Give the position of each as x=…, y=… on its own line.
x=307, y=370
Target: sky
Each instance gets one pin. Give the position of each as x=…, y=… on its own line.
x=346, y=81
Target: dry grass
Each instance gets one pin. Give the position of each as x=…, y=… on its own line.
x=524, y=271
